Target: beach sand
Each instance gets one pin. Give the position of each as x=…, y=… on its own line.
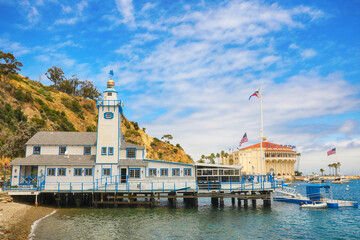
x=16, y=219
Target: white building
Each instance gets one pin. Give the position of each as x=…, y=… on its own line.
x=88, y=161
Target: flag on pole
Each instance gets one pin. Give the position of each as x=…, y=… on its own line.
x=243, y=140
x=256, y=93
x=332, y=151
x=111, y=73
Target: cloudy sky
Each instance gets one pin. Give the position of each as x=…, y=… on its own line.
x=187, y=68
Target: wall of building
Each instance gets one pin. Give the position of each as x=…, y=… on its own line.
x=54, y=150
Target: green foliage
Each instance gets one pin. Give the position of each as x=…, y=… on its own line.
x=8, y=64
x=136, y=125
x=167, y=138
x=156, y=140
x=69, y=86
x=160, y=155
x=178, y=146
x=175, y=150
x=89, y=106
x=297, y=173
x=19, y=115
x=40, y=123
x=131, y=141
x=39, y=101
x=23, y=97
x=55, y=116
x=130, y=133
x=74, y=106
x=127, y=125
x=144, y=129
x=201, y=161
x=88, y=90
x=91, y=128
x=189, y=157
x=56, y=75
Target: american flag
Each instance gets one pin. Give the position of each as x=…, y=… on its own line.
x=243, y=140
x=332, y=151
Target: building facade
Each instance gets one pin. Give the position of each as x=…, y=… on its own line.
x=278, y=159
x=102, y=160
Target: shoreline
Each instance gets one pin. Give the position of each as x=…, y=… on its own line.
x=17, y=219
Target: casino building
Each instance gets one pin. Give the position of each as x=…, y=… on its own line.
x=278, y=159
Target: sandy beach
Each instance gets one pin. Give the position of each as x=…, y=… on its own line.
x=16, y=219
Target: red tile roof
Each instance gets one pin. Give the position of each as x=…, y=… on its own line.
x=268, y=146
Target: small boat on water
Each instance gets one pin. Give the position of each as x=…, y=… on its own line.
x=313, y=205
x=341, y=180
x=313, y=194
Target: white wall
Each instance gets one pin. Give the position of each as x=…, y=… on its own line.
x=54, y=150
x=108, y=134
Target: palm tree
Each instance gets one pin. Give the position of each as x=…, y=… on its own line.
x=322, y=171
x=329, y=166
x=339, y=164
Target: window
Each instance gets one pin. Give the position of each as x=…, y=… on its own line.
x=78, y=172
x=106, y=171
x=152, y=172
x=36, y=150
x=108, y=115
x=109, y=94
x=163, y=172
x=134, y=172
x=131, y=153
x=176, y=171
x=61, y=171
x=111, y=151
x=103, y=151
x=187, y=172
x=51, y=172
x=62, y=150
x=87, y=150
x=88, y=172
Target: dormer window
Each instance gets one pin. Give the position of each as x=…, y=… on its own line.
x=62, y=150
x=130, y=153
x=109, y=94
x=37, y=150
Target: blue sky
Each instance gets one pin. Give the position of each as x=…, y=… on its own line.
x=188, y=67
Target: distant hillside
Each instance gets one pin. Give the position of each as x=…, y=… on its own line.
x=27, y=106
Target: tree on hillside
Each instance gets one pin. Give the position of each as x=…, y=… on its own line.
x=8, y=64
x=69, y=86
x=88, y=90
x=167, y=138
x=56, y=75
x=322, y=171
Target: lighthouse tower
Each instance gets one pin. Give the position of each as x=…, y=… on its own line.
x=109, y=126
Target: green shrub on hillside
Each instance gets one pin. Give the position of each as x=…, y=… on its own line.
x=74, y=106
x=39, y=122
x=91, y=128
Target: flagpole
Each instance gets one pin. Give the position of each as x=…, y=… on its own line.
x=261, y=131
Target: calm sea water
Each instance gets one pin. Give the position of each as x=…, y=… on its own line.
x=282, y=221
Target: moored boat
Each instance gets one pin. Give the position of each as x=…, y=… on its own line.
x=313, y=205
x=341, y=180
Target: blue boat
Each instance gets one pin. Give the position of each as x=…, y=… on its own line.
x=314, y=193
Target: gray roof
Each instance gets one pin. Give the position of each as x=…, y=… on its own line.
x=63, y=138
x=41, y=160
x=131, y=162
x=125, y=145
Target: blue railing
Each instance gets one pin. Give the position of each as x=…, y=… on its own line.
x=122, y=183
x=28, y=180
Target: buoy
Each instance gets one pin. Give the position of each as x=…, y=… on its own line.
x=347, y=185
x=347, y=189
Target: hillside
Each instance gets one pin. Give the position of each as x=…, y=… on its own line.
x=27, y=106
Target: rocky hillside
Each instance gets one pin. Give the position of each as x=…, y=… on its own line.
x=27, y=106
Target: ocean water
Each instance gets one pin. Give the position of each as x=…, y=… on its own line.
x=281, y=221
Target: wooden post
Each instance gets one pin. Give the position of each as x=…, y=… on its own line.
x=246, y=204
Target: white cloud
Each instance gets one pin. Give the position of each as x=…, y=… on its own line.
x=126, y=8
x=293, y=46
x=66, y=9
x=308, y=53
x=13, y=47
x=350, y=126
x=67, y=21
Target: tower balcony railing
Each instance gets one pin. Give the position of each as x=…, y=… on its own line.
x=109, y=103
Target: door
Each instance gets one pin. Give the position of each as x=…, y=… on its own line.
x=123, y=175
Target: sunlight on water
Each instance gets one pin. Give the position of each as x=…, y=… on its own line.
x=282, y=221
